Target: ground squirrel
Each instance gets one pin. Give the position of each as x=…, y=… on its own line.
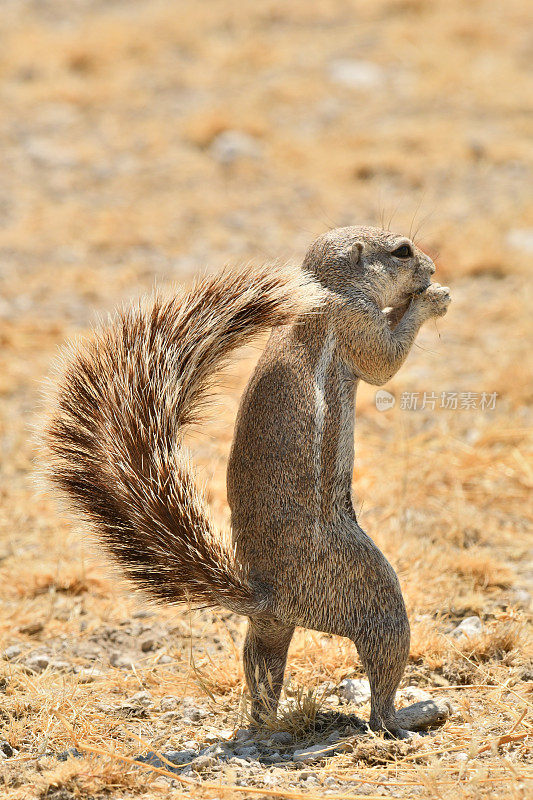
x=299, y=556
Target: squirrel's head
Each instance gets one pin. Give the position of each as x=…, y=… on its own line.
x=380, y=264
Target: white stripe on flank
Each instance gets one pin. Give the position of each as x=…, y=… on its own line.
x=321, y=371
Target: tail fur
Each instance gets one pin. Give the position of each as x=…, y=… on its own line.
x=126, y=398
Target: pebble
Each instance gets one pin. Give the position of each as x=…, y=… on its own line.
x=202, y=762
x=233, y=145
x=169, y=716
x=61, y=666
x=11, y=652
x=38, y=663
x=310, y=754
x=32, y=628
x=305, y=774
x=245, y=734
x=250, y=752
x=469, y=626
x=356, y=74
x=140, y=699
x=355, y=690
x=148, y=644
x=281, y=737
x=414, y=694
x=6, y=750
x=89, y=674
x=181, y=756
x=424, y=715
x=121, y=661
x=521, y=239
x=168, y=703
x=72, y=752
x=272, y=758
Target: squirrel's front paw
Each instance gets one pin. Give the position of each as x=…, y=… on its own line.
x=435, y=300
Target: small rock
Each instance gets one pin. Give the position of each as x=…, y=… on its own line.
x=60, y=666
x=521, y=239
x=470, y=626
x=89, y=674
x=414, y=694
x=11, y=652
x=272, y=758
x=142, y=613
x=250, y=752
x=461, y=756
x=355, y=691
x=196, y=714
x=424, y=715
x=181, y=756
x=221, y=750
x=202, y=763
x=169, y=716
x=230, y=146
x=330, y=781
x=148, y=644
x=121, y=661
x=245, y=734
x=356, y=74
x=70, y=753
x=281, y=737
x=140, y=699
x=314, y=753
x=305, y=774
x=38, y=663
x=32, y=628
x=165, y=659
x=168, y=703
x=154, y=761
x=6, y=749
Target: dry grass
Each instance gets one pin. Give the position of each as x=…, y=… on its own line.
x=109, y=185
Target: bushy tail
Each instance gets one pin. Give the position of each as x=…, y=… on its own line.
x=115, y=436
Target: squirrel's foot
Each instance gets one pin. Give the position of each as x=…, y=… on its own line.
x=399, y=733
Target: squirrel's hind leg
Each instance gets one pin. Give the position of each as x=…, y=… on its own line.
x=384, y=650
x=264, y=656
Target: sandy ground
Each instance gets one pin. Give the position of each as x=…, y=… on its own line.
x=142, y=142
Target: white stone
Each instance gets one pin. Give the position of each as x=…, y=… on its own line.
x=355, y=690
x=413, y=694
x=356, y=74
x=140, y=699
x=230, y=146
x=168, y=703
x=89, y=674
x=521, y=239
x=470, y=626
x=315, y=753
x=11, y=652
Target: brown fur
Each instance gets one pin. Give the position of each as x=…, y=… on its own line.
x=300, y=557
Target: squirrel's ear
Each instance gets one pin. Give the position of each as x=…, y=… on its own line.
x=355, y=253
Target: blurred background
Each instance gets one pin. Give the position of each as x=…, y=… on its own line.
x=142, y=141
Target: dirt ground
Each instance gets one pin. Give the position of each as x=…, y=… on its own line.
x=141, y=142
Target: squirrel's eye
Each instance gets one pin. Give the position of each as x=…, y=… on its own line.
x=403, y=251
